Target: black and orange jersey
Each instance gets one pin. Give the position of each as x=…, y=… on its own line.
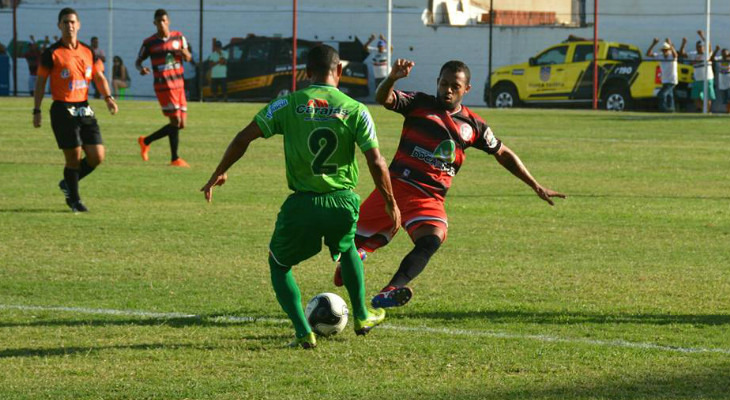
x=166, y=58
x=433, y=140
x=70, y=70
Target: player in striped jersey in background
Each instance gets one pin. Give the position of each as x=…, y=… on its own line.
x=167, y=50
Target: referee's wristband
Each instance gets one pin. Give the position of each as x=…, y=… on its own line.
x=36, y=111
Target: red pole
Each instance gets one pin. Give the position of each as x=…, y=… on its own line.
x=595, y=54
x=294, y=49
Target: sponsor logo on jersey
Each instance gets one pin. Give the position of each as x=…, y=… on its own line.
x=466, y=132
x=176, y=44
x=276, y=105
x=320, y=110
x=87, y=73
x=545, y=73
x=441, y=158
x=65, y=73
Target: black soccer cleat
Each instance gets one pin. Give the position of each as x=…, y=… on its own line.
x=77, y=206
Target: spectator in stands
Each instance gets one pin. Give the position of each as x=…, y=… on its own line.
x=32, y=57
x=668, y=64
x=120, y=76
x=723, y=77
x=218, y=70
x=378, y=57
x=99, y=53
x=700, y=60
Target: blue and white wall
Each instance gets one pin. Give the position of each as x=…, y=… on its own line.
x=630, y=21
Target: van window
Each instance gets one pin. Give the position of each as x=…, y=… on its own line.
x=583, y=52
x=619, y=54
x=556, y=55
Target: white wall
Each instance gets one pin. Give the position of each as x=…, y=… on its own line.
x=620, y=20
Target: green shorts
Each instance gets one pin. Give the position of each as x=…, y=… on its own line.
x=306, y=218
x=698, y=90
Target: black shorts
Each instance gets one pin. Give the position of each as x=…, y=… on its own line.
x=72, y=126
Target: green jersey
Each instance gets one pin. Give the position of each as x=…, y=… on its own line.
x=321, y=127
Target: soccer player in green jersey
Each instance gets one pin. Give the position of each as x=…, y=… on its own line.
x=321, y=127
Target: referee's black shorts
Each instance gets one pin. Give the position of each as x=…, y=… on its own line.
x=74, y=125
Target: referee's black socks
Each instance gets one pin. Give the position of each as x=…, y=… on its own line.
x=71, y=176
x=85, y=169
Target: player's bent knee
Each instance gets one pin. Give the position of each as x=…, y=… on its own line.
x=428, y=244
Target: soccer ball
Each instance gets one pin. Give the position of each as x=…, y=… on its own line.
x=327, y=314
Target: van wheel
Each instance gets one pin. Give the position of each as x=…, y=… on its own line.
x=616, y=99
x=505, y=96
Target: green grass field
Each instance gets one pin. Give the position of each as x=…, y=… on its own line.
x=620, y=291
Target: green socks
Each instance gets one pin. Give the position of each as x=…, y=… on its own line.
x=289, y=297
x=354, y=280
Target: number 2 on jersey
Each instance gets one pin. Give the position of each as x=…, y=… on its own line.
x=323, y=143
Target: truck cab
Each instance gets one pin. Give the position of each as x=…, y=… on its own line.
x=563, y=74
x=260, y=69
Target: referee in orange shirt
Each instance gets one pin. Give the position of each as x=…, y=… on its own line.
x=71, y=65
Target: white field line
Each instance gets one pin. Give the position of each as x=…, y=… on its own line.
x=421, y=329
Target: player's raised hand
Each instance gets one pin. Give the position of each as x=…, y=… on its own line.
x=401, y=68
x=215, y=180
x=547, y=194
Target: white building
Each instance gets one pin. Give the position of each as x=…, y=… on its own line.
x=420, y=30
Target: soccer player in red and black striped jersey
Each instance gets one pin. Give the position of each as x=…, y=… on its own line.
x=71, y=65
x=167, y=50
x=436, y=131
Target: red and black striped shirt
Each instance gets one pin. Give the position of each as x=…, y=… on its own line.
x=166, y=58
x=432, y=143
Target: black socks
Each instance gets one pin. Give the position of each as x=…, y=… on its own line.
x=415, y=261
x=71, y=176
x=172, y=132
x=174, y=136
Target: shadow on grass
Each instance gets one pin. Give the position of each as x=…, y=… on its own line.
x=67, y=351
x=218, y=320
x=710, y=381
x=34, y=211
x=573, y=318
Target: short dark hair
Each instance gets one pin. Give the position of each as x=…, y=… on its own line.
x=456, y=66
x=322, y=59
x=94, y=38
x=66, y=11
x=159, y=13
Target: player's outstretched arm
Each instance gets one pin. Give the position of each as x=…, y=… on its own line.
x=510, y=161
x=381, y=177
x=384, y=93
x=233, y=153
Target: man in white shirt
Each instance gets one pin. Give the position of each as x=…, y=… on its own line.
x=668, y=64
x=723, y=78
x=379, y=58
x=702, y=63
x=218, y=70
